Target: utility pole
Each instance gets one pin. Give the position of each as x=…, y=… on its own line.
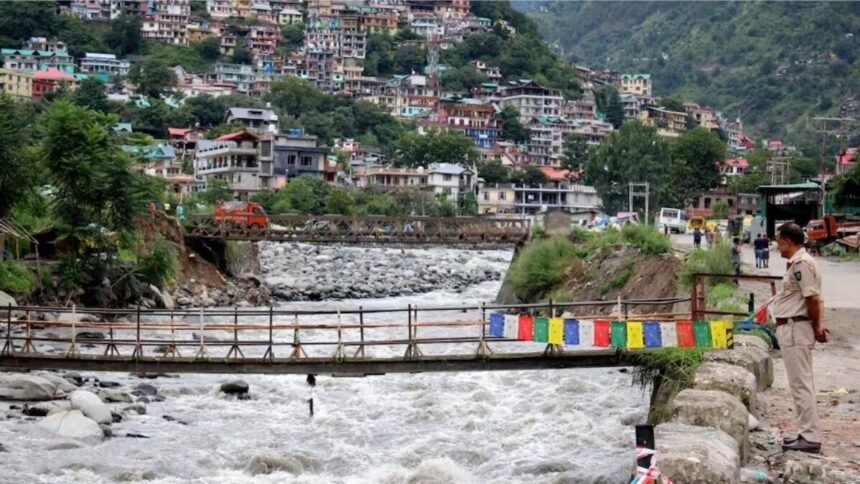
x=781, y=166
x=840, y=134
x=639, y=189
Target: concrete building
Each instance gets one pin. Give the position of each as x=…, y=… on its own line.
x=636, y=84
x=241, y=76
x=17, y=84
x=261, y=121
x=496, y=199
x=168, y=22
x=298, y=154
x=385, y=177
x=734, y=166
x=107, y=64
x=474, y=118
x=290, y=16
x=704, y=116
x=740, y=204
x=128, y=7
x=243, y=160
x=39, y=54
x=451, y=179
x=546, y=142
x=566, y=196
x=51, y=80
x=531, y=99
x=670, y=124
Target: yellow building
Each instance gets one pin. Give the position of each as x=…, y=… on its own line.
x=495, y=199
x=198, y=32
x=636, y=84
x=16, y=83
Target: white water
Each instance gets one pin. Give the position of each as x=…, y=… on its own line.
x=546, y=426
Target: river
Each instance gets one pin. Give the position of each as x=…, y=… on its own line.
x=540, y=426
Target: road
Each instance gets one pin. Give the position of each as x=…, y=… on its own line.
x=836, y=364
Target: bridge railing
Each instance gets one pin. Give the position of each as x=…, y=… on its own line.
x=267, y=334
x=380, y=229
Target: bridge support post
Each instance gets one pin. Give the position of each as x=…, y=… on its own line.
x=73, y=349
x=234, y=348
x=138, y=348
x=203, y=352
x=339, y=353
x=270, y=351
x=111, y=349
x=361, y=333
x=298, y=351
x=484, y=350
x=412, y=350
x=8, y=348
x=28, y=341
x=172, y=349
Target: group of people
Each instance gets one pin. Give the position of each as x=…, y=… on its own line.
x=762, y=251
x=179, y=210
x=712, y=236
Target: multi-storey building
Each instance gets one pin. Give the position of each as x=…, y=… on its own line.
x=290, y=16
x=105, y=64
x=298, y=154
x=546, y=142
x=410, y=96
x=704, y=116
x=636, y=84
x=376, y=20
x=239, y=75
x=531, y=99
x=51, y=80
x=492, y=73
x=243, y=160
x=476, y=119
x=38, y=55
x=263, y=39
x=129, y=7
x=94, y=10
x=451, y=180
x=496, y=199
x=168, y=22
x=261, y=121
x=670, y=124
x=199, y=31
x=562, y=195
x=385, y=177
x=17, y=84
x=582, y=108
x=320, y=67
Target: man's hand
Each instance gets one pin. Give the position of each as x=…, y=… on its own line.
x=822, y=334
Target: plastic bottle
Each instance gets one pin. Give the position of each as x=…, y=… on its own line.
x=754, y=475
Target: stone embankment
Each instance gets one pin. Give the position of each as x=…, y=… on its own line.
x=302, y=272
x=718, y=432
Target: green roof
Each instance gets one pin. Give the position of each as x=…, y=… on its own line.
x=794, y=187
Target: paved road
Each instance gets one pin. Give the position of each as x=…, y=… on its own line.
x=841, y=279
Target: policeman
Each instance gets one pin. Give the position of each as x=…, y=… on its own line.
x=799, y=310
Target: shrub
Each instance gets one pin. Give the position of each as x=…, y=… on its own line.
x=15, y=278
x=717, y=260
x=540, y=267
x=667, y=371
x=647, y=238
x=158, y=267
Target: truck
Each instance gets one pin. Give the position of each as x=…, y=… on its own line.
x=242, y=216
x=832, y=227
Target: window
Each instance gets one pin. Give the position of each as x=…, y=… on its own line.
x=291, y=160
x=306, y=161
x=446, y=177
x=486, y=196
x=501, y=195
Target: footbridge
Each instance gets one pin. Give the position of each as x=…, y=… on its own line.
x=349, y=341
x=467, y=231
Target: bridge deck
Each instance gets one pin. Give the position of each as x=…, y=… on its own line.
x=313, y=365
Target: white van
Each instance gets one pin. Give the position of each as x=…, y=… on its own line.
x=674, y=218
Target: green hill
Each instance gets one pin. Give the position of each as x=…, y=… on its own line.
x=775, y=64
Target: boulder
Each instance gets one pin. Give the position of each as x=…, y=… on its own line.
x=6, y=301
x=734, y=380
x=26, y=387
x=49, y=408
x=137, y=408
x=115, y=396
x=687, y=453
x=74, y=378
x=60, y=383
x=755, y=360
x=234, y=387
x=751, y=341
x=73, y=424
x=145, y=389
x=711, y=408
x=91, y=406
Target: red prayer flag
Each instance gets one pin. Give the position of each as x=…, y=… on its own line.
x=526, y=327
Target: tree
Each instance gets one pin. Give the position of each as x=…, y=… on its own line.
x=672, y=104
x=635, y=153
x=845, y=188
x=574, y=154
x=469, y=205
x=205, y=109
x=293, y=36
x=294, y=96
x=16, y=177
x=91, y=94
x=437, y=146
x=153, y=77
x=299, y=196
x=216, y=191
x=209, y=49
x=409, y=59
x=125, y=35
x=720, y=209
x=694, y=168
x=339, y=202
x=609, y=103
x=512, y=129
x=242, y=55
x=494, y=172
x=531, y=175
x=21, y=20
x=802, y=168
x=462, y=79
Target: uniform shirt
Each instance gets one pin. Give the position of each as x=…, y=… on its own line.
x=801, y=280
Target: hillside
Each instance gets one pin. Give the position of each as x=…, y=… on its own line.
x=774, y=64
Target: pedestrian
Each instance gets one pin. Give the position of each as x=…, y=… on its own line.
x=709, y=236
x=180, y=212
x=765, y=252
x=758, y=245
x=665, y=229
x=736, y=255
x=697, y=237
x=799, y=310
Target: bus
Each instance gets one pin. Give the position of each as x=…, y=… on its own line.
x=673, y=218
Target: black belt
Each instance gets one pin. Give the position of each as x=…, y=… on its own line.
x=781, y=321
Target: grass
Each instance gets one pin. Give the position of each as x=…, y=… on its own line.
x=717, y=260
x=15, y=278
x=667, y=371
x=540, y=267
x=726, y=296
x=620, y=279
x=159, y=266
x=647, y=238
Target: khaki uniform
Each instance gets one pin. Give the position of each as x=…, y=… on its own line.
x=797, y=338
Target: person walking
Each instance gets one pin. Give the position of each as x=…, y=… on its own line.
x=697, y=237
x=759, y=251
x=736, y=255
x=709, y=236
x=799, y=311
x=765, y=251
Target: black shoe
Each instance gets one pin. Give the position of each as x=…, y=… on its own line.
x=801, y=445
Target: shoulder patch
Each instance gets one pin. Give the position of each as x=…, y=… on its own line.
x=798, y=276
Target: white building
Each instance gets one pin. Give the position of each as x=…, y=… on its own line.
x=451, y=179
x=95, y=63
x=168, y=23
x=263, y=121
x=242, y=160
x=531, y=99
